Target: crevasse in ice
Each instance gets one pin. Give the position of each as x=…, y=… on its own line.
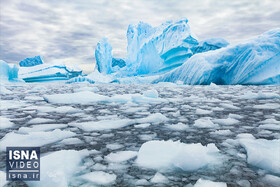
x=255, y=61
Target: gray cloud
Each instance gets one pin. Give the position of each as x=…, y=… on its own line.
x=69, y=30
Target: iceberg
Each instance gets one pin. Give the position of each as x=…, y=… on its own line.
x=255, y=61
x=28, y=62
x=172, y=53
x=48, y=72
x=8, y=72
x=103, y=55
x=154, y=50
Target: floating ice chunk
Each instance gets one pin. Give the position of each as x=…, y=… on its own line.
x=33, y=138
x=5, y=123
x=208, y=183
x=99, y=166
x=267, y=106
x=217, y=109
x=153, y=118
x=235, y=116
x=144, y=125
x=121, y=156
x=270, y=126
x=213, y=86
x=205, y=123
x=260, y=95
x=39, y=121
x=142, y=182
x=172, y=155
x=103, y=124
x=202, y=112
x=272, y=180
x=10, y=104
x=159, y=178
x=41, y=127
x=244, y=183
x=99, y=177
x=87, y=97
x=227, y=121
x=4, y=90
x=229, y=106
x=48, y=109
x=272, y=121
x=91, y=89
x=151, y=93
x=3, y=180
x=222, y=132
x=262, y=153
x=118, y=123
x=34, y=98
x=58, y=168
x=137, y=98
x=71, y=141
x=147, y=137
x=84, y=97
x=114, y=146
x=97, y=77
x=177, y=127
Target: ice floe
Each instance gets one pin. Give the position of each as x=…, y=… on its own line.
x=33, y=138
x=99, y=178
x=171, y=155
x=262, y=153
x=208, y=183
x=59, y=168
x=121, y=156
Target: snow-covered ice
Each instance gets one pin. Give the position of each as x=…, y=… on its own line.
x=176, y=155
x=262, y=153
x=33, y=138
x=204, y=123
x=5, y=123
x=208, y=183
x=99, y=178
x=60, y=167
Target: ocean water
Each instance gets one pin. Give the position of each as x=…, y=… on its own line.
x=190, y=114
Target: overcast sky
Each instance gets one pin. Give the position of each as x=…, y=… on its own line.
x=70, y=29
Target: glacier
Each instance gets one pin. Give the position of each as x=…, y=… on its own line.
x=255, y=61
x=52, y=71
x=28, y=62
x=8, y=72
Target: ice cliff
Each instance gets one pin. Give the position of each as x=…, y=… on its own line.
x=255, y=61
